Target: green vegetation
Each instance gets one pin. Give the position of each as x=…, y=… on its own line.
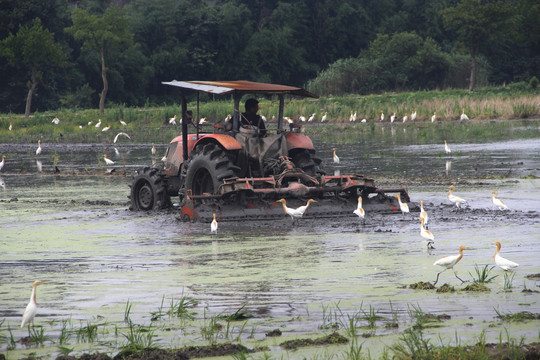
x=356, y=47
x=483, y=274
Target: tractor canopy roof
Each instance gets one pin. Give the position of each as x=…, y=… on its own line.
x=239, y=86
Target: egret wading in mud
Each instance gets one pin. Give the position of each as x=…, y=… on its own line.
x=448, y=262
x=497, y=202
x=214, y=225
x=3, y=162
x=426, y=234
x=455, y=199
x=423, y=213
x=31, y=308
x=501, y=262
x=107, y=160
x=336, y=158
x=297, y=213
x=447, y=148
x=360, y=211
x=38, y=150
x=402, y=206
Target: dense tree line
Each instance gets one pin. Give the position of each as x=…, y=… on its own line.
x=92, y=51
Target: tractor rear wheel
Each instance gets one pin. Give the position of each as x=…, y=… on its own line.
x=148, y=191
x=209, y=165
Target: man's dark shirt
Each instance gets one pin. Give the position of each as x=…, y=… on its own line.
x=255, y=120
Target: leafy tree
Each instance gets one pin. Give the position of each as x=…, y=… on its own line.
x=101, y=33
x=34, y=49
x=478, y=24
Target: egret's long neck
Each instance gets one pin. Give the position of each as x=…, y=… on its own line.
x=284, y=207
x=33, y=296
x=360, y=203
x=460, y=255
x=497, y=251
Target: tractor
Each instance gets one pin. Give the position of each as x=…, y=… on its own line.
x=233, y=171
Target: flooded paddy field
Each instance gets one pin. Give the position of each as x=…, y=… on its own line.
x=110, y=271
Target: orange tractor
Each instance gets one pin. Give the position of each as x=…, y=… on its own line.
x=235, y=172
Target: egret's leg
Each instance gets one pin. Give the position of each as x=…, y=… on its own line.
x=462, y=281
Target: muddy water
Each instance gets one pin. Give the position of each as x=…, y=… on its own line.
x=302, y=279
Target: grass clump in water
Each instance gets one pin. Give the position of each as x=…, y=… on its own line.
x=517, y=317
x=422, y=286
x=475, y=286
x=483, y=274
x=446, y=289
x=332, y=339
x=422, y=319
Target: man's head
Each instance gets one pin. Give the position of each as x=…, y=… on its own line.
x=252, y=106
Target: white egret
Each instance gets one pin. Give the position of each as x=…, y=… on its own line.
x=122, y=122
x=106, y=128
x=153, y=149
x=55, y=121
x=202, y=121
x=107, y=160
x=434, y=117
x=405, y=118
x=311, y=118
x=360, y=210
x=426, y=234
x=448, y=262
x=302, y=118
x=402, y=205
x=423, y=213
x=447, y=148
x=323, y=119
x=497, y=202
x=120, y=134
x=172, y=120
x=413, y=115
x=31, y=308
x=98, y=123
x=393, y=117
x=463, y=115
x=295, y=213
x=454, y=198
x=90, y=123
x=264, y=118
x=336, y=158
x=382, y=116
x=3, y=162
x=364, y=120
x=228, y=118
x=501, y=262
x=38, y=150
x=214, y=225
x=10, y=127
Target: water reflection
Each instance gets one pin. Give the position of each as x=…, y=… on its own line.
x=448, y=166
x=39, y=165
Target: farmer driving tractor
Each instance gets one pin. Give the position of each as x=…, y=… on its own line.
x=250, y=119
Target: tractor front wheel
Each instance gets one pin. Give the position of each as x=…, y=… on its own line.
x=148, y=191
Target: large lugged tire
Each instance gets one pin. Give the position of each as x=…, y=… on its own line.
x=209, y=165
x=304, y=160
x=148, y=191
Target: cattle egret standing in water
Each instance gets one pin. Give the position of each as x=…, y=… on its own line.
x=336, y=158
x=402, y=205
x=448, y=262
x=447, y=148
x=38, y=150
x=107, y=160
x=501, y=262
x=423, y=213
x=455, y=199
x=295, y=213
x=360, y=211
x=3, y=162
x=214, y=225
x=31, y=308
x=498, y=202
x=426, y=234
